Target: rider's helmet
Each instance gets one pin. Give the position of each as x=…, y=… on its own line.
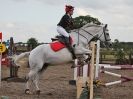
x=69, y=8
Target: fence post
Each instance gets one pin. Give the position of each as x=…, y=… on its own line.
x=91, y=75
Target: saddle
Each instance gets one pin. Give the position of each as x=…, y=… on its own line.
x=58, y=43
x=59, y=38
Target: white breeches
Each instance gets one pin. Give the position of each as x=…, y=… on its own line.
x=62, y=31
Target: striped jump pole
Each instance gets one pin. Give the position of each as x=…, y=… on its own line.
x=80, y=70
x=123, y=78
x=80, y=76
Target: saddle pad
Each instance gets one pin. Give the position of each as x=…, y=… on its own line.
x=56, y=46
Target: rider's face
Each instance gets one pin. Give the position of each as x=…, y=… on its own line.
x=71, y=12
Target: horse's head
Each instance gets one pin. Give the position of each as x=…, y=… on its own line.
x=90, y=32
x=104, y=37
x=96, y=32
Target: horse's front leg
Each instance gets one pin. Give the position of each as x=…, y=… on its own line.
x=86, y=51
x=82, y=50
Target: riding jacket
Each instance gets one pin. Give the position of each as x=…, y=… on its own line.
x=66, y=22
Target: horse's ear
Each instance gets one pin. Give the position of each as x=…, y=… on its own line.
x=106, y=25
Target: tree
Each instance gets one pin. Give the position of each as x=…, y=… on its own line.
x=32, y=43
x=82, y=20
x=120, y=57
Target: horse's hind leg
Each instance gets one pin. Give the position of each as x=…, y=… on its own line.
x=34, y=74
x=30, y=78
x=36, y=84
x=36, y=80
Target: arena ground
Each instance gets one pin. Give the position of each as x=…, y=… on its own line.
x=54, y=84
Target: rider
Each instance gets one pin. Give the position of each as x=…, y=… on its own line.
x=64, y=26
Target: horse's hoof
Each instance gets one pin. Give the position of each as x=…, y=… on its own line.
x=38, y=92
x=27, y=91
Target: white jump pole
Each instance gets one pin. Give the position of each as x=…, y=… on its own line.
x=118, y=67
x=76, y=69
x=110, y=73
x=85, y=70
x=114, y=83
x=97, y=59
x=109, y=67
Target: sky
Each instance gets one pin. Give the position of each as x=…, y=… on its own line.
x=23, y=19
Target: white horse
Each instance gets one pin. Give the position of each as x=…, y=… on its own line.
x=43, y=55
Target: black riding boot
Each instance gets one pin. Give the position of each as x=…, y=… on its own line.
x=68, y=45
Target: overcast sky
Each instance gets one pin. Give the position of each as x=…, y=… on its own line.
x=23, y=19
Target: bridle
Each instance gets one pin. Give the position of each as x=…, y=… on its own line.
x=94, y=37
x=105, y=37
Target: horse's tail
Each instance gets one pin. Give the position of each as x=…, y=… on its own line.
x=20, y=57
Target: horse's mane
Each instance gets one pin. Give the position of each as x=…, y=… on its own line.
x=88, y=27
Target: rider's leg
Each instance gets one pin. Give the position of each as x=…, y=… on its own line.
x=62, y=31
x=68, y=45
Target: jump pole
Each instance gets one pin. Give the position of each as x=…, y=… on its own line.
x=80, y=76
x=117, y=67
x=0, y=56
x=123, y=78
x=97, y=59
x=76, y=70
